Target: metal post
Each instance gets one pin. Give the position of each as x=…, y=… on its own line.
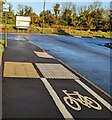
x=5, y=9
x=6, y=30
x=44, y=16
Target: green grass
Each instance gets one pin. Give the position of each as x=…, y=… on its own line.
x=61, y=30
x=90, y=33
x=1, y=45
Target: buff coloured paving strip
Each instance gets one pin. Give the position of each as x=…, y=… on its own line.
x=56, y=71
x=43, y=54
x=20, y=70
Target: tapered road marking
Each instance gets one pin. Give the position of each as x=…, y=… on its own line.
x=105, y=103
x=57, y=100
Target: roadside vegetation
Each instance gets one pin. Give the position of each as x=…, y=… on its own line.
x=91, y=21
x=1, y=45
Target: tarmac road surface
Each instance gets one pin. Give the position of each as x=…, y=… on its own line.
x=88, y=56
x=54, y=91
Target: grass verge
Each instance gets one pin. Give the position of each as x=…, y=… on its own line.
x=61, y=30
x=1, y=45
x=1, y=50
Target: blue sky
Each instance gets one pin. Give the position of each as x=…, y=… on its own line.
x=37, y=5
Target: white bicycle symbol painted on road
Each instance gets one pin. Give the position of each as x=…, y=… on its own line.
x=74, y=100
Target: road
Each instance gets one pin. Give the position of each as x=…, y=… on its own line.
x=36, y=85
x=88, y=56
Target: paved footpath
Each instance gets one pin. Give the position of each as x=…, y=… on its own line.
x=36, y=85
x=0, y=84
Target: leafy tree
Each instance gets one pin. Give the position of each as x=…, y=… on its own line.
x=28, y=10
x=21, y=11
x=24, y=10
x=97, y=19
x=10, y=15
x=34, y=18
x=67, y=17
x=92, y=16
x=74, y=16
x=48, y=17
x=56, y=9
x=67, y=12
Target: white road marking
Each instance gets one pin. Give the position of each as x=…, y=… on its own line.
x=104, y=102
x=57, y=100
x=77, y=98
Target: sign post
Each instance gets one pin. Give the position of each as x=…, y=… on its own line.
x=5, y=9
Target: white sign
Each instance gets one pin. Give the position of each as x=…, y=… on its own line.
x=23, y=18
x=23, y=22
x=5, y=7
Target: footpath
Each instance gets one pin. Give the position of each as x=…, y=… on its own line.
x=1, y=51
x=36, y=85
x=0, y=84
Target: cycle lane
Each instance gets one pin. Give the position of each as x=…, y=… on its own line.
x=51, y=71
x=23, y=93
x=81, y=107
x=101, y=107
x=57, y=84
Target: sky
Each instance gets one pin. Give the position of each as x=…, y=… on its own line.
x=37, y=5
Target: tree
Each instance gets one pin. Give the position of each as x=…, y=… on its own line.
x=74, y=16
x=93, y=17
x=96, y=14
x=56, y=9
x=24, y=10
x=67, y=17
x=10, y=7
x=34, y=18
x=21, y=11
x=48, y=17
x=28, y=10
x=68, y=13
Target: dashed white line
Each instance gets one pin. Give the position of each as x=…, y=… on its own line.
x=104, y=102
x=57, y=100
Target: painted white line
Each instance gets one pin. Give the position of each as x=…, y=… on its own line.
x=57, y=100
x=104, y=102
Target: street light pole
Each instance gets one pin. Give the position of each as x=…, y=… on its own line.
x=44, y=10
x=43, y=16
x=6, y=29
